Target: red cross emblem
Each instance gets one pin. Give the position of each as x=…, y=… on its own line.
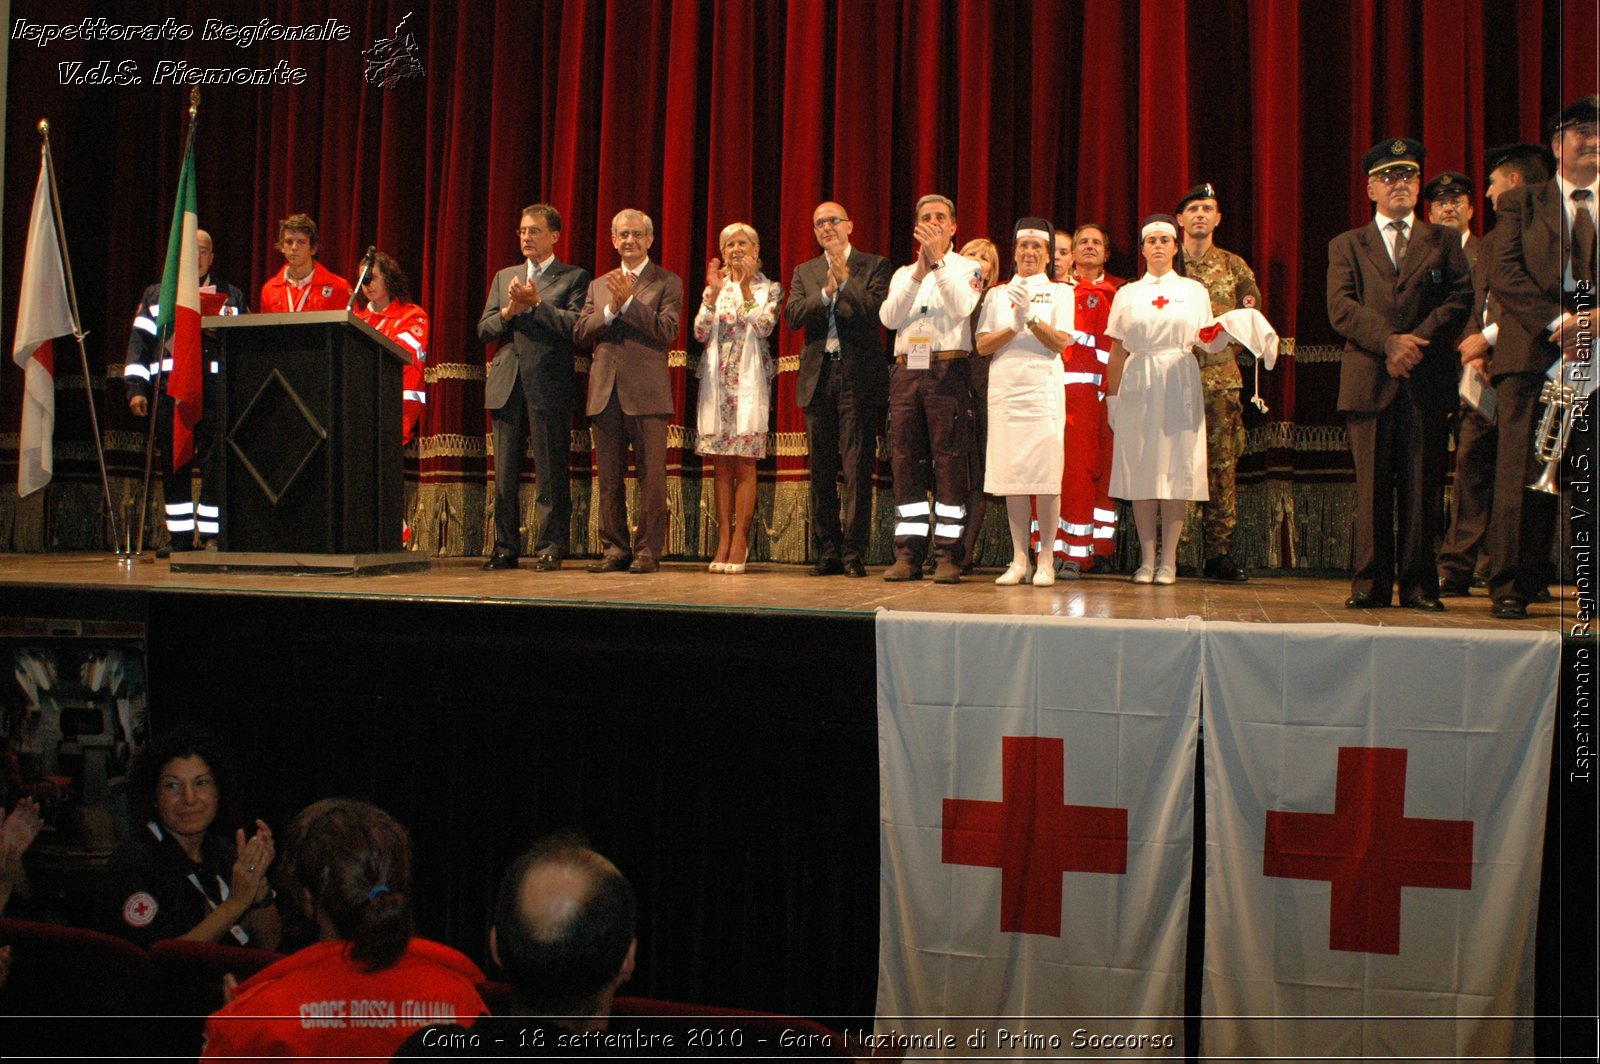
x=1160, y=301
x=1032, y=837
x=1368, y=849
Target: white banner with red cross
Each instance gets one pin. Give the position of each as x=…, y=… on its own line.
x=1375, y=808
x=1036, y=807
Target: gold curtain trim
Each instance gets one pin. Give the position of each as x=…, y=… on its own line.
x=676, y=359
x=1319, y=353
x=1285, y=434
x=789, y=364
x=791, y=445
x=450, y=445
x=453, y=371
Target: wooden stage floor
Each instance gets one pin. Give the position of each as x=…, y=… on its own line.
x=1265, y=599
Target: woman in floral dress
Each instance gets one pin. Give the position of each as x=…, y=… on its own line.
x=737, y=313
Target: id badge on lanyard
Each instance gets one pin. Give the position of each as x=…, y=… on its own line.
x=919, y=352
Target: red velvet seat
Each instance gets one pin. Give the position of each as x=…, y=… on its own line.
x=188, y=985
x=60, y=977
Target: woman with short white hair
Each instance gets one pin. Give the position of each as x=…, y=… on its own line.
x=738, y=310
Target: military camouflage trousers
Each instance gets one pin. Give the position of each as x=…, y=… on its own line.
x=1224, y=447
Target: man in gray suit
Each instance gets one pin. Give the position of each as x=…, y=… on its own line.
x=631, y=317
x=1399, y=291
x=530, y=388
x=843, y=386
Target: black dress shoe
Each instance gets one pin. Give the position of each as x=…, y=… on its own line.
x=611, y=563
x=1455, y=589
x=164, y=552
x=1422, y=601
x=547, y=563
x=644, y=564
x=1366, y=601
x=1509, y=609
x=500, y=561
x=827, y=567
x=1222, y=568
x=854, y=568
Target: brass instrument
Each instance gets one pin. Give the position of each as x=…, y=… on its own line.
x=1562, y=406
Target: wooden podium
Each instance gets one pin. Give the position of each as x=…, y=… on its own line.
x=312, y=471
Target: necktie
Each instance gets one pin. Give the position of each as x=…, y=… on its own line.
x=1583, y=237
x=1399, y=228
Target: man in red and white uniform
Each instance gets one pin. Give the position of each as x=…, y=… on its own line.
x=391, y=311
x=1088, y=513
x=304, y=284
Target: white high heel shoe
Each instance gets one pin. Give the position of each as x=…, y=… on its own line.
x=1145, y=574
x=1015, y=574
x=1045, y=574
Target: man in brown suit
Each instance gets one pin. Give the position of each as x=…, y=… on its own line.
x=1543, y=274
x=631, y=317
x=1398, y=292
x=843, y=386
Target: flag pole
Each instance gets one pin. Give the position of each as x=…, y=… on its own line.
x=161, y=360
x=78, y=334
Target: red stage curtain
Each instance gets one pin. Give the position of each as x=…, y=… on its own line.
x=703, y=112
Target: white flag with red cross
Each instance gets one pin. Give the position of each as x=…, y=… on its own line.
x=1375, y=808
x=1036, y=818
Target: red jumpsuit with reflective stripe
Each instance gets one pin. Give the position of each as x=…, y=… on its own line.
x=407, y=325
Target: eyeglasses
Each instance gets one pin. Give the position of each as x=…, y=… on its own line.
x=631, y=234
x=1398, y=176
x=531, y=230
x=823, y=223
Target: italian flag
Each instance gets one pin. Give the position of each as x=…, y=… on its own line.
x=180, y=309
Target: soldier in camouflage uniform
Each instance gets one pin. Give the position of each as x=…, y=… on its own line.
x=1232, y=286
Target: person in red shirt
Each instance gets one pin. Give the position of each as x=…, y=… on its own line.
x=304, y=284
x=1088, y=513
x=368, y=984
x=391, y=311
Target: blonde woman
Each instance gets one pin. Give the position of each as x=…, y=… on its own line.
x=738, y=310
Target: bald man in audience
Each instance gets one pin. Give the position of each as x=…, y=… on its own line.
x=563, y=936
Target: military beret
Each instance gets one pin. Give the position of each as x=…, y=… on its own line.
x=1496, y=157
x=1205, y=190
x=1583, y=109
x=1388, y=154
x=1447, y=183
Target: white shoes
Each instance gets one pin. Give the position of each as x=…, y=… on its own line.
x=1144, y=575
x=1165, y=574
x=1014, y=575
x=1044, y=575
x=717, y=567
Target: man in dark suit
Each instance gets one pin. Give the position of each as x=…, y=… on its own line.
x=843, y=386
x=530, y=386
x=631, y=317
x=1543, y=274
x=1466, y=543
x=1398, y=291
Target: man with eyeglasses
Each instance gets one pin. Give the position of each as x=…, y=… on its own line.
x=1399, y=292
x=842, y=388
x=1544, y=275
x=631, y=317
x=530, y=387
